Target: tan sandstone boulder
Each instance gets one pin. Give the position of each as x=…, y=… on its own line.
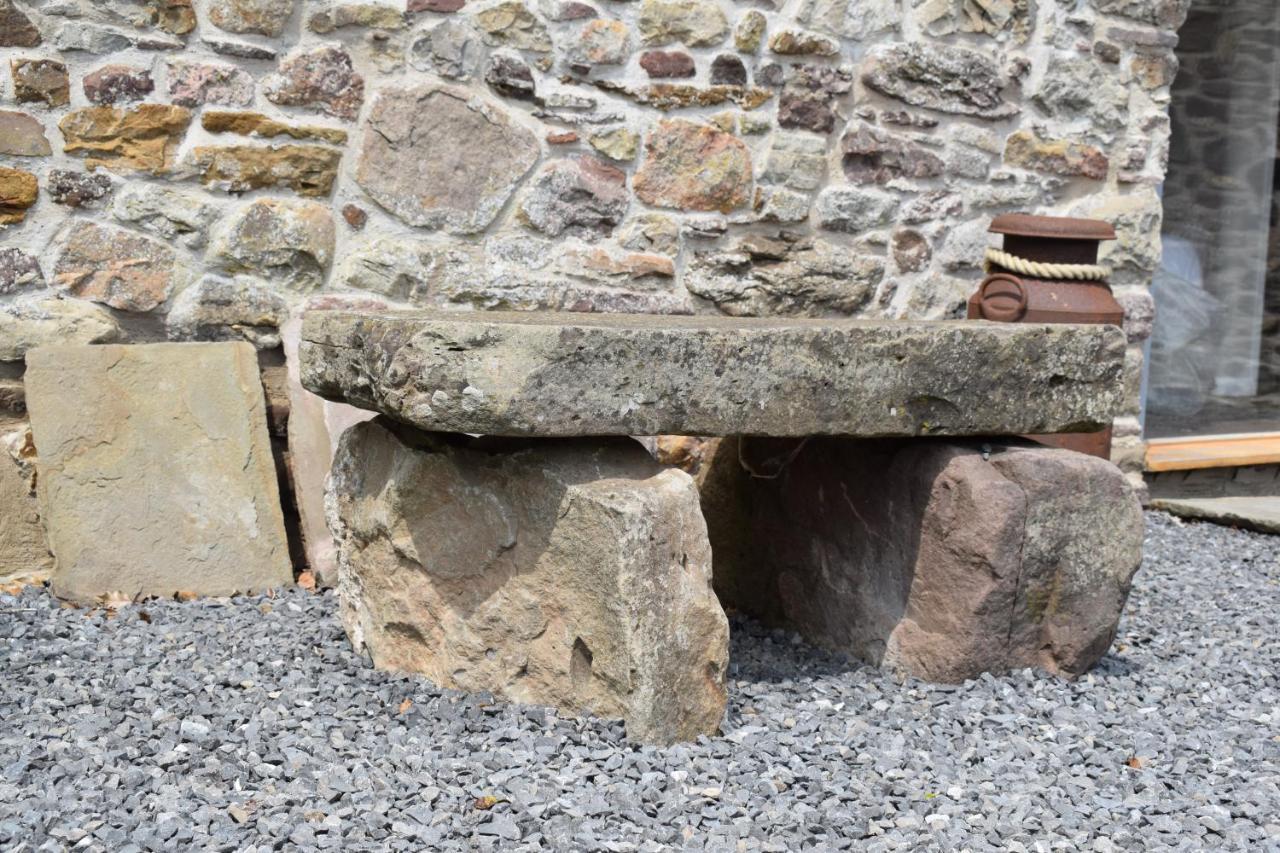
x=572, y=573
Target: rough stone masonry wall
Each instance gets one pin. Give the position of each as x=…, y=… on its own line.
x=193, y=169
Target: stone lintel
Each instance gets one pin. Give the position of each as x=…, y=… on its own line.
x=591, y=374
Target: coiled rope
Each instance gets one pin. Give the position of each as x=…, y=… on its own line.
x=1036, y=269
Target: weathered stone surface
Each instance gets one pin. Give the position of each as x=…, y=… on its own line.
x=78, y=189
x=989, y=17
x=288, y=242
x=800, y=43
x=690, y=166
x=168, y=213
x=442, y=6
x=697, y=23
x=308, y=170
x=520, y=272
x=911, y=250
x=320, y=78
x=377, y=16
x=142, y=139
x=762, y=278
x=18, y=191
x=18, y=271
x=42, y=81
x=172, y=16
x=728, y=70
x=939, y=77
x=856, y=19
x=451, y=49
x=513, y=25
x=16, y=29
x=116, y=267
x=1167, y=14
x=601, y=42
x=667, y=63
x=140, y=22
x=677, y=96
x=24, y=553
x=35, y=321
x=315, y=425
x=355, y=216
x=91, y=38
x=22, y=135
x=171, y=437
x=114, y=84
x=1056, y=156
x=192, y=84
x=264, y=17
x=809, y=96
x=441, y=158
x=749, y=32
x=225, y=309
x=556, y=374
x=796, y=160
x=259, y=125
x=941, y=560
x=872, y=155
x=239, y=49
x=405, y=270
x=572, y=574
x=854, y=210
x=778, y=204
x=510, y=77
x=581, y=195
x=1080, y=87
x=651, y=232
x=619, y=143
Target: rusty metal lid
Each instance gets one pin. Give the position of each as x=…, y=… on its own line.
x=1052, y=227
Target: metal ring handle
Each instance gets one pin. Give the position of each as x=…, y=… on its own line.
x=1002, y=298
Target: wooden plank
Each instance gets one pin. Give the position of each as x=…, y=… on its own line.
x=1224, y=451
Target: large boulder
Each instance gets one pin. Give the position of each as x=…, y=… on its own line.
x=550, y=374
x=155, y=470
x=941, y=560
x=571, y=573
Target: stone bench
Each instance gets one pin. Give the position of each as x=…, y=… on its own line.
x=552, y=560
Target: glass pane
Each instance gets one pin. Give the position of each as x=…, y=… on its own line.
x=1215, y=352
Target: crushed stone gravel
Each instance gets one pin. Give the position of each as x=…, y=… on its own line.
x=251, y=725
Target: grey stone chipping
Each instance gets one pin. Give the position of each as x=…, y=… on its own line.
x=250, y=725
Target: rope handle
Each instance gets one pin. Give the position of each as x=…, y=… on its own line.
x=1036, y=269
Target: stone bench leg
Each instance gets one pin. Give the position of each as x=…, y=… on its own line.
x=571, y=573
x=932, y=558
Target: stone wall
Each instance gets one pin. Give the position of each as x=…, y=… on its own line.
x=194, y=169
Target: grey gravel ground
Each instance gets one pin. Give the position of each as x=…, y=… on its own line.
x=250, y=725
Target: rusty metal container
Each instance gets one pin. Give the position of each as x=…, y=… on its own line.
x=1008, y=296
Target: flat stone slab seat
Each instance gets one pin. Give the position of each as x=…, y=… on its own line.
x=574, y=573
x=540, y=374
